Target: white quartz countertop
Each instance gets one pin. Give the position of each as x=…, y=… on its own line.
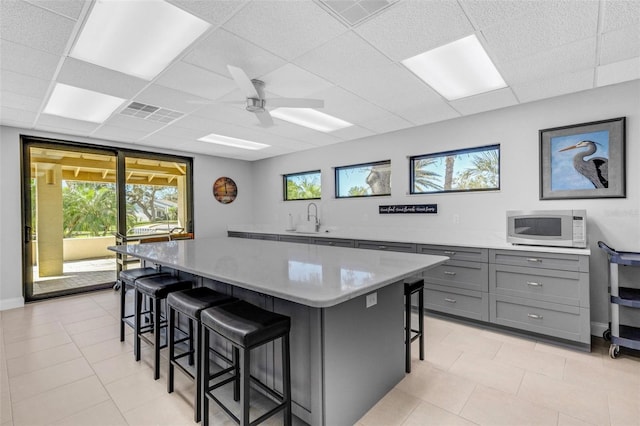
x=463, y=238
x=312, y=275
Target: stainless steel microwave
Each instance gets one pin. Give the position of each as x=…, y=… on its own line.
x=556, y=228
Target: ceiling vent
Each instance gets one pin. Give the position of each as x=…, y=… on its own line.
x=150, y=112
x=355, y=12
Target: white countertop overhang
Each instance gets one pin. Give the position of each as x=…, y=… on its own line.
x=312, y=275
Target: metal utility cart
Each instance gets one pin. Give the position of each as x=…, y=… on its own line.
x=619, y=334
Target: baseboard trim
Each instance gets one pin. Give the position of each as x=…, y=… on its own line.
x=16, y=302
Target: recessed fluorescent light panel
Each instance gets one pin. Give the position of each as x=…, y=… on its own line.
x=138, y=38
x=234, y=142
x=81, y=104
x=310, y=118
x=458, y=69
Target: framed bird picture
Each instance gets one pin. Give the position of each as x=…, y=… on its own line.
x=583, y=160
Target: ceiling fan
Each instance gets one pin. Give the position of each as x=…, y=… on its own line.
x=257, y=103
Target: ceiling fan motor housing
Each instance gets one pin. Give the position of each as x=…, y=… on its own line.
x=255, y=105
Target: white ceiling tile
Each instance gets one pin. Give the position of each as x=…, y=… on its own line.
x=292, y=81
x=102, y=80
x=352, y=132
x=195, y=80
x=16, y=117
x=215, y=14
x=618, y=72
x=427, y=113
x=485, y=13
x=66, y=125
x=620, y=44
x=222, y=48
x=286, y=28
x=226, y=113
x=68, y=8
x=343, y=60
x=567, y=58
x=165, y=97
x=347, y=106
x=25, y=60
x=20, y=101
x=487, y=101
x=387, y=123
x=545, y=28
x=411, y=27
x=620, y=13
x=118, y=133
x=24, y=85
x=555, y=86
x=133, y=123
x=34, y=27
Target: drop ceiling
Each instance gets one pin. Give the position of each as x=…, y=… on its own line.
x=346, y=52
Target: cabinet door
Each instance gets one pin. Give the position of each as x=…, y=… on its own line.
x=550, y=285
x=294, y=239
x=336, y=242
x=455, y=273
x=455, y=301
x=237, y=234
x=532, y=259
x=389, y=246
x=270, y=237
x=455, y=252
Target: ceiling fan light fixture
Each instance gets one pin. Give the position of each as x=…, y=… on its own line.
x=81, y=104
x=311, y=118
x=233, y=142
x=457, y=70
x=138, y=38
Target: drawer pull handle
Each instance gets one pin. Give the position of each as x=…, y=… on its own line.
x=382, y=247
x=534, y=284
x=450, y=253
x=533, y=259
x=534, y=316
x=332, y=243
x=446, y=299
x=449, y=273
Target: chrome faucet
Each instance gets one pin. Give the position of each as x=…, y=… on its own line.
x=315, y=215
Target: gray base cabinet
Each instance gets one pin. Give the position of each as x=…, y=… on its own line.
x=531, y=291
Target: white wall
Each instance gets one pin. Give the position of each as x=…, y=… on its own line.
x=617, y=221
x=210, y=217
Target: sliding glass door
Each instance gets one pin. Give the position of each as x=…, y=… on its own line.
x=80, y=199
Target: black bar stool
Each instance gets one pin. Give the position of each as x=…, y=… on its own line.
x=190, y=303
x=412, y=286
x=127, y=282
x=156, y=288
x=245, y=327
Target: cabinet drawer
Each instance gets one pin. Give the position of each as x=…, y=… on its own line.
x=336, y=242
x=456, y=252
x=455, y=273
x=237, y=234
x=294, y=239
x=463, y=303
x=551, y=319
x=566, y=262
x=383, y=245
x=549, y=285
x=270, y=237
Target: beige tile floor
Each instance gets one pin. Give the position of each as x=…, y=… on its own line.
x=61, y=363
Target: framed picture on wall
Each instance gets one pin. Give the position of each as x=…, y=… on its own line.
x=583, y=160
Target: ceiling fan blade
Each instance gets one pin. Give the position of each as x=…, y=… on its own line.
x=244, y=82
x=295, y=103
x=265, y=118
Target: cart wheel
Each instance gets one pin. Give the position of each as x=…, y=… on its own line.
x=614, y=351
x=607, y=335
x=116, y=286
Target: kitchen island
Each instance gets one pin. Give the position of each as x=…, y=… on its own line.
x=346, y=306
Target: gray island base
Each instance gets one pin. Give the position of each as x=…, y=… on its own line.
x=347, y=351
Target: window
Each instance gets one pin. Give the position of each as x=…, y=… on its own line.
x=302, y=186
x=363, y=180
x=473, y=169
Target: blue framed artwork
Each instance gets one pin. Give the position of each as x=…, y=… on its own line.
x=583, y=160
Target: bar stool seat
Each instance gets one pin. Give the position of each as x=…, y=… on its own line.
x=411, y=287
x=156, y=288
x=245, y=326
x=127, y=279
x=190, y=303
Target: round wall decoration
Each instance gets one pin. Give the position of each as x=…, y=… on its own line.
x=225, y=190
